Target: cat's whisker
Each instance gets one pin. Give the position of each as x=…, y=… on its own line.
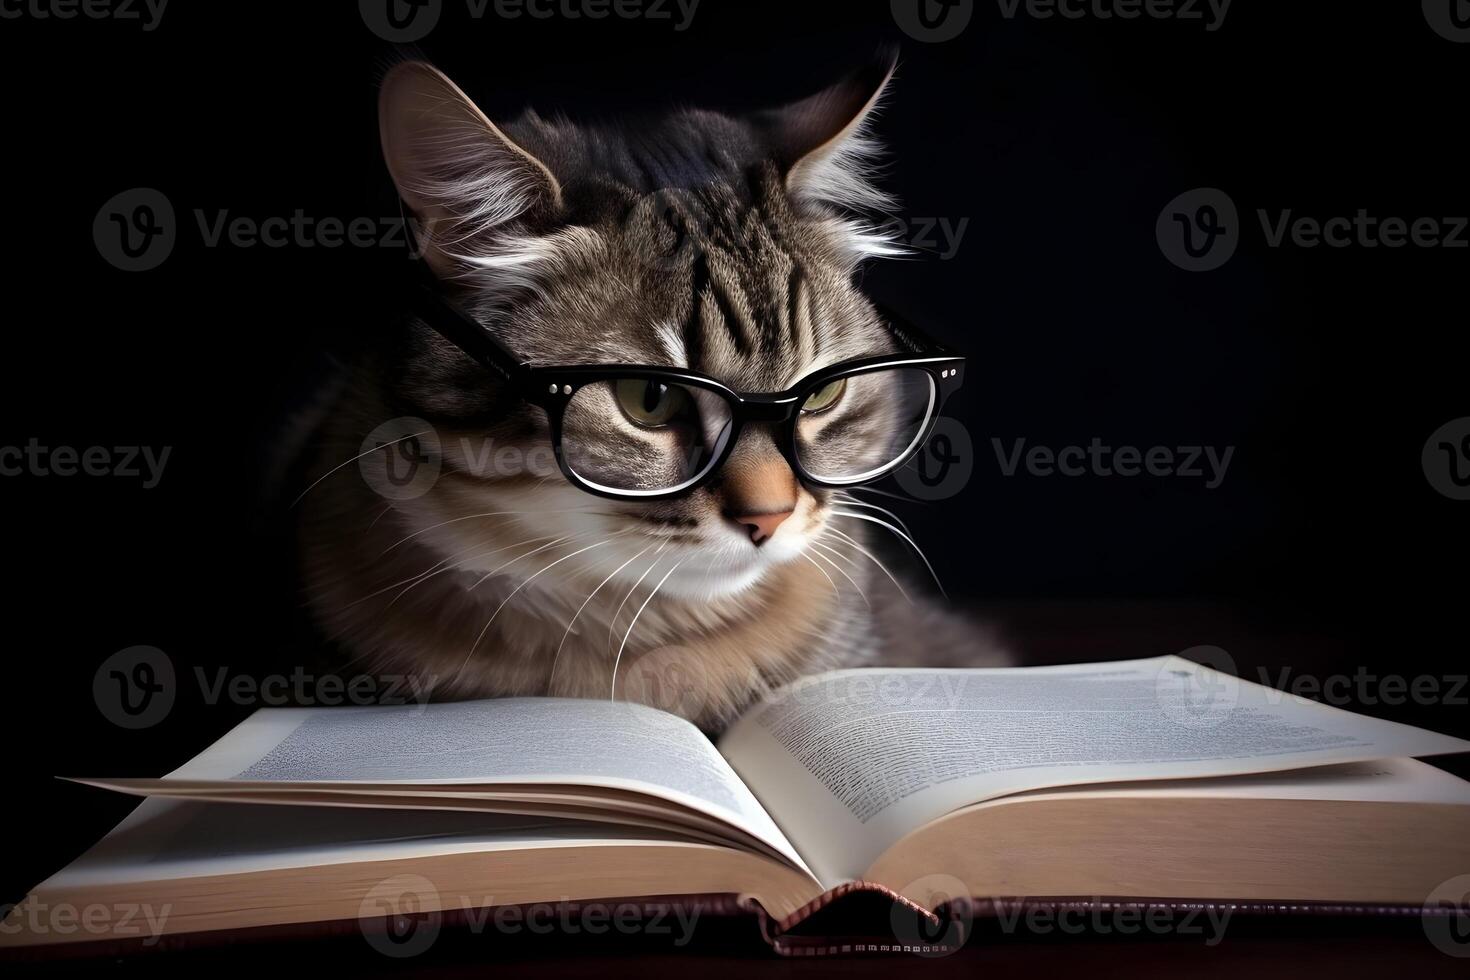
x=393, y=585
x=837, y=593
x=874, y=559
x=866, y=601
x=381, y=514
x=318, y=480
x=911, y=543
x=885, y=493
x=854, y=502
x=434, y=527
x=709, y=571
x=536, y=551
x=832, y=548
x=613, y=691
x=438, y=568
x=471, y=517
x=613, y=623
x=557, y=657
x=447, y=564
x=506, y=601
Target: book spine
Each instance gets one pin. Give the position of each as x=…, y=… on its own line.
x=953, y=919
x=784, y=942
x=852, y=887
x=999, y=906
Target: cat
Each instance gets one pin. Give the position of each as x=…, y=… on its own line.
x=499, y=577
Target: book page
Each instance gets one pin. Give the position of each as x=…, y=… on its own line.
x=850, y=761
x=164, y=839
x=1377, y=781
x=523, y=741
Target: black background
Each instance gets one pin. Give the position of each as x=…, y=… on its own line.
x=1325, y=550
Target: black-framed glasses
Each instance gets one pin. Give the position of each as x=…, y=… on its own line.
x=644, y=432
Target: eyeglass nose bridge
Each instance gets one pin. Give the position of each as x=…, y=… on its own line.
x=768, y=408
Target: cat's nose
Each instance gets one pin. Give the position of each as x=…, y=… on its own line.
x=762, y=526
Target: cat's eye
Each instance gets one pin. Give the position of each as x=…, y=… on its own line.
x=652, y=403
x=825, y=397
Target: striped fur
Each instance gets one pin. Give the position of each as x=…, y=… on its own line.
x=694, y=240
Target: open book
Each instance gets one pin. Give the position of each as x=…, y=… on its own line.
x=1156, y=779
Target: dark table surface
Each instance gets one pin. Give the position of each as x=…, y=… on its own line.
x=1253, y=948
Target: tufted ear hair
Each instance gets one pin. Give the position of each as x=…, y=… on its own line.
x=824, y=142
x=476, y=196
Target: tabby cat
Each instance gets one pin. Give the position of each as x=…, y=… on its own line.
x=695, y=240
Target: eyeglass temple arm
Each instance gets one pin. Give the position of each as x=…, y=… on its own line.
x=912, y=335
x=465, y=332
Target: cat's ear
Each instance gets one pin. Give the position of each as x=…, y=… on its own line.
x=473, y=191
x=824, y=143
